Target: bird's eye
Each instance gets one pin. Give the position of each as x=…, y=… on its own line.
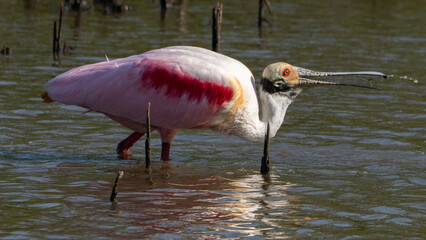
x=286, y=72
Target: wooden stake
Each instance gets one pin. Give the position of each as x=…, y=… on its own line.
x=216, y=26
x=58, y=48
x=114, y=188
x=163, y=4
x=148, y=138
x=5, y=50
x=57, y=31
x=260, y=17
x=264, y=168
x=54, y=37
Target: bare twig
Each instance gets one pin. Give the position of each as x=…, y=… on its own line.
x=268, y=4
x=114, y=188
x=148, y=138
x=261, y=17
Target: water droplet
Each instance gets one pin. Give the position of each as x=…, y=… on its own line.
x=405, y=77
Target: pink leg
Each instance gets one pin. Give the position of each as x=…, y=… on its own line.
x=165, y=151
x=124, y=146
x=167, y=136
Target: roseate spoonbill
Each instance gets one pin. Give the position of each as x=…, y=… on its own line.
x=188, y=87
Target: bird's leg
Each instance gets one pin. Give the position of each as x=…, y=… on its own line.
x=124, y=146
x=167, y=136
x=165, y=151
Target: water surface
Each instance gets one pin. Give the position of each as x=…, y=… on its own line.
x=347, y=164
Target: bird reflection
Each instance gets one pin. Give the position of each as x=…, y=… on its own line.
x=172, y=198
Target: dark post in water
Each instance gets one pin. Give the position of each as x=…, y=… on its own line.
x=216, y=26
x=148, y=138
x=264, y=168
x=57, y=31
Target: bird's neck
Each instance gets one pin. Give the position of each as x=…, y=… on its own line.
x=272, y=109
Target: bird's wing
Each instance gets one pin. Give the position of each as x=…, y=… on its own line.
x=186, y=87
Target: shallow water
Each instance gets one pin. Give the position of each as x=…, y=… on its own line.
x=347, y=164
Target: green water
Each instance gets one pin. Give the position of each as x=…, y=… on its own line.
x=347, y=164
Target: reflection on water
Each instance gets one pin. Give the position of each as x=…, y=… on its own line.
x=165, y=203
x=69, y=197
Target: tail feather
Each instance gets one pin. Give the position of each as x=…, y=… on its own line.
x=46, y=98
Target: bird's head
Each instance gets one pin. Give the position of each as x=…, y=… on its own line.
x=282, y=82
x=285, y=79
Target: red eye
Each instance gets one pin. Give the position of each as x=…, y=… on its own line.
x=286, y=72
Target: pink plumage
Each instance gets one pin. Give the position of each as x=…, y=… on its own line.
x=187, y=87
x=157, y=75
